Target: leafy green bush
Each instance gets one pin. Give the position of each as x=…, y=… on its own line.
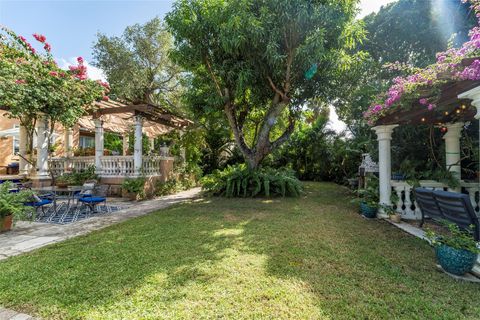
x=134, y=185
x=240, y=181
x=12, y=203
x=78, y=178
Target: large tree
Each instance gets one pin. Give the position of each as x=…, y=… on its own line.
x=138, y=66
x=262, y=60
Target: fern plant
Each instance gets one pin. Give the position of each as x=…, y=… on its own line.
x=240, y=181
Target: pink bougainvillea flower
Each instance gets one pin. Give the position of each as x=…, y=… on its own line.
x=431, y=106
x=423, y=101
x=80, y=60
x=105, y=98
x=39, y=37
x=22, y=38
x=20, y=81
x=47, y=47
x=53, y=73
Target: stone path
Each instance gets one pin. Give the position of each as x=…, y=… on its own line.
x=28, y=236
x=6, y=314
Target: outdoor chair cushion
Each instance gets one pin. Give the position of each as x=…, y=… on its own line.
x=428, y=205
x=457, y=208
x=91, y=200
x=40, y=203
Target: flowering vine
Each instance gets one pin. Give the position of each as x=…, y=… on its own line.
x=423, y=87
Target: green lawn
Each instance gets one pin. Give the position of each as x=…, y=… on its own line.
x=307, y=258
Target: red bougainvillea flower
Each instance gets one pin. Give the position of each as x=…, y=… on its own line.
x=22, y=38
x=47, y=47
x=53, y=73
x=80, y=60
x=20, y=81
x=39, y=37
x=105, y=98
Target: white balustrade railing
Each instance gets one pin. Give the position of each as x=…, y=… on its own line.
x=112, y=166
x=406, y=204
x=118, y=166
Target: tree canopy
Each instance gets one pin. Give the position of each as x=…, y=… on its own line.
x=138, y=66
x=263, y=60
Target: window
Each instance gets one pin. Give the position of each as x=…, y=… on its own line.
x=16, y=141
x=86, y=142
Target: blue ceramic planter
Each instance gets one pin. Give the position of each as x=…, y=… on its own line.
x=367, y=211
x=455, y=261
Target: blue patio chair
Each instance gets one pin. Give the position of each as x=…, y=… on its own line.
x=87, y=190
x=98, y=196
x=39, y=202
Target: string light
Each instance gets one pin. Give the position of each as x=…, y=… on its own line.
x=464, y=107
x=457, y=111
x=446, y=113
x=423, y=119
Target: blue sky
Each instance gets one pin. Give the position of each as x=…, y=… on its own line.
x=71, y=25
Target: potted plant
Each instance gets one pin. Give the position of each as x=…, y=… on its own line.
x=456, y=250
x=133, y=188
x=392, y=213
x=12, y=205
x=63, y=181
x=369, y=199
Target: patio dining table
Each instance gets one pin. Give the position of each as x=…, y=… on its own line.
x=59, y=193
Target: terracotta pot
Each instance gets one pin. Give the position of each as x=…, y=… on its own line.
x=61, y=184
x=6, y=223
x=397, y=218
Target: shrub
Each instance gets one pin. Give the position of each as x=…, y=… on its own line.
x=240, y=181
x=79, y=177
x=12, y=203
x=134, y=185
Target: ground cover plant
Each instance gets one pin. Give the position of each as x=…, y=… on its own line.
x=311, y=257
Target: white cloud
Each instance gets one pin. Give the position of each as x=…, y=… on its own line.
x=369, y=6
x=93, y=72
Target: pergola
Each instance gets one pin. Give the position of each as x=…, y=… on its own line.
x=113, y=116
x=458, y=103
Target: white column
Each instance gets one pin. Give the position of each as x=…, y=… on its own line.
x=384, y=137
x=452, y=148
x=42, y=146
x=152, y=145
x=125, y=144
x=68, y=142
x=182, y=149
x=137, y=150
x=99, y=146
x=22, y=141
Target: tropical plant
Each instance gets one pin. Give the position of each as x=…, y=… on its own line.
x=454, y=237
x=134, y=185
x=241, y=181
x=12, y=203
x=263, y=60
x=370, y=194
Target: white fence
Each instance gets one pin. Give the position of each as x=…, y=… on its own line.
x=112, y=166
x=406, y=204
